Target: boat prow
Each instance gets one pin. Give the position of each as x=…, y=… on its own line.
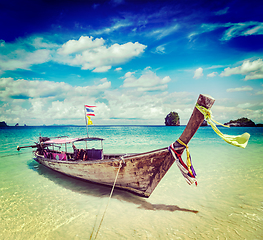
x=137, y=173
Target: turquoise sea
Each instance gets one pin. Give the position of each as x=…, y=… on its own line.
x=37, y=203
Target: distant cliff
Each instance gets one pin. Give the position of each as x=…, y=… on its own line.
x=241, y=122
x=3, y=124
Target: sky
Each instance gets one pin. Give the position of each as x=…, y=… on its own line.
x=136, y=61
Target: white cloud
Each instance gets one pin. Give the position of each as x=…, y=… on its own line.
x=160, y=49
x=24, y=60
x=240, y=89
x=24, y=53
x=128, y=74
x=148, y=81
x=245, y=105
x=101, y=57
x=115, y=27
x=102, y=69
x=103, y=80
x=215, y=66
x=61, y=103
x=126, y=105
x=252, y=70
x=118, y=69
x=191, y=36
x=198, y=73
x=46, y=102
x=234, y=30
x=156, y=88
x=25, y=89
x=242, y=29
x=84, y=43
x=86, y=52
x=104, y=86
x=222, y=11
x=40, y=42
x=213, y=74
x=163, y=32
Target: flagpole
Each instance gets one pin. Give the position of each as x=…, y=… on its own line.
x=86, y=121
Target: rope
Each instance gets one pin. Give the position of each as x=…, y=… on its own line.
x=208, y=115
x=108, y=200
x=189, y=176
x=188, y=161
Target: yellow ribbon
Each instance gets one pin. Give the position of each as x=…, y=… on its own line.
x=188, y=161
x=238, y=141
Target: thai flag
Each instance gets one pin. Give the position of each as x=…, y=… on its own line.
x=89, y=110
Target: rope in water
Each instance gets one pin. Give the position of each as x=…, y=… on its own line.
x=108, y=201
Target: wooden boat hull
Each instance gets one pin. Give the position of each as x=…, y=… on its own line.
x=139, y=173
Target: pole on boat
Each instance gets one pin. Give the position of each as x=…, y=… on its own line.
x=85, y=115
x=31, y=146
x=88, y=111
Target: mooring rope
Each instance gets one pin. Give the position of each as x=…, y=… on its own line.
x=108, y=201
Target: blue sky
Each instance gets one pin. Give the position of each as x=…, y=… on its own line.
x=135, y=60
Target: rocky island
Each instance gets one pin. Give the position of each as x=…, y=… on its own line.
x=3, y=124
x=172, y=119
x=241, y=122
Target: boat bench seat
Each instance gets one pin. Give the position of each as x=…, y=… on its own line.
x=95, y=153
x=57, y=156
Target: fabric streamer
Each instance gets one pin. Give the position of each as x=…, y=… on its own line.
x=187, y=169
x=189, y=175
x=188, y=160
x=89, y=120
x=238, y=141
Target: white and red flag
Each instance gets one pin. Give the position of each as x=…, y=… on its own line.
x=89, y=110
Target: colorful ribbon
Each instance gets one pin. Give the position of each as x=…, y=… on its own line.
x=238, y=141
x=187, y=170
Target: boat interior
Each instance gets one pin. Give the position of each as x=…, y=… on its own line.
x=61, y=150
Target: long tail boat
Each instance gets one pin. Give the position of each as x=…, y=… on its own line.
x=137, y=173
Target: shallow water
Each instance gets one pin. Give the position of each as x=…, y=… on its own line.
x=37, y=203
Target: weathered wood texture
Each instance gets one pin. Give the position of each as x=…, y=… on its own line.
x=196, y=119
x=139, y=173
